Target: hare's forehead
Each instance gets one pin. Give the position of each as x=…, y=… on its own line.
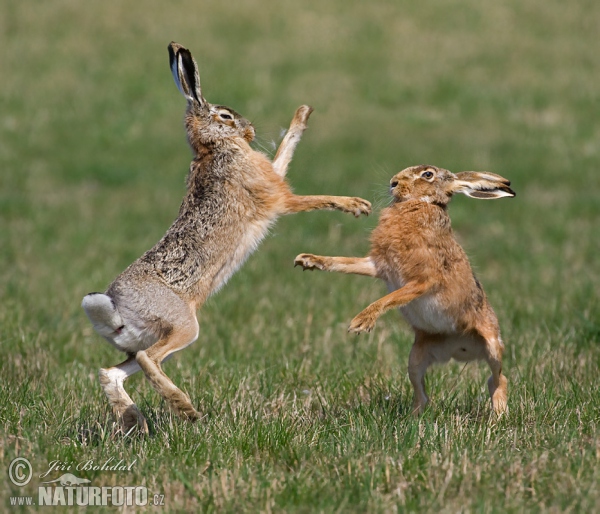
x=416, y=171
x=440, y=174
x=224, y=108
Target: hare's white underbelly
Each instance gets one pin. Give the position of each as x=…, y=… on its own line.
x=426, y=313
x=132, y=338
x=253, y=234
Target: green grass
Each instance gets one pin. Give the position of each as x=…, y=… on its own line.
x=302, y=417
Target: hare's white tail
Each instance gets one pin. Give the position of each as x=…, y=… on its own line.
x=103, y=313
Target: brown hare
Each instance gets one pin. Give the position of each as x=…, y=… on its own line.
x=431, y=281
x=234, y=194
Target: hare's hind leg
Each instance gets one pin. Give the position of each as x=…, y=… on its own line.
x=497, y=383
x=149, y=360
x=419, y=360
x=126, y=412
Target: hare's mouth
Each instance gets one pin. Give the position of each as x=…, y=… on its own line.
x=398, y=196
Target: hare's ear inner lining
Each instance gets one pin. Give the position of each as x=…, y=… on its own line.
x=483, y=190
x=191, y=70
x=488, y=195
x=185, y=73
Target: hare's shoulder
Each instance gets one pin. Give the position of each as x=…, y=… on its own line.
x=205, y=216
x=414, y=240
x=407, y=225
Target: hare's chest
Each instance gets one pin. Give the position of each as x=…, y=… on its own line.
x=249, y=239
x=426, y=313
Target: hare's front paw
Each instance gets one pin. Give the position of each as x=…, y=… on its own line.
x=358, y=206
x=301, y=115
x=309, y=261
x=363, y=322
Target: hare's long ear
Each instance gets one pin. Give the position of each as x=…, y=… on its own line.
x=482, y=185
x=185, y=73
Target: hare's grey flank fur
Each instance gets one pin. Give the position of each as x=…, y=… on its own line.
x=431, y=281
x=234, y=194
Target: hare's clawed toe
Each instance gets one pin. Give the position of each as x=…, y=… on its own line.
x=188, y=413
x=358, y=206
x=309, y=261
x=192, y=415
x=364, y=322
x=181, y=404
x=499, y=395
x=132, y=418
x=418, y=408
x=500, y=408
x=302, y=114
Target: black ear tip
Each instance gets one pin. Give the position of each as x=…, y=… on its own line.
x=173, y=48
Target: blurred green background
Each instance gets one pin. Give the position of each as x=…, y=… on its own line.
x=93, y=159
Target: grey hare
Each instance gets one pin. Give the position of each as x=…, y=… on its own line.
x=234, y=194
x=431, y=281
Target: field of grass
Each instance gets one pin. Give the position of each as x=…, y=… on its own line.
x=301, y=416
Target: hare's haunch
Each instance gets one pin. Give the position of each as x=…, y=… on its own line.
x=234, y=194
x=431, y=281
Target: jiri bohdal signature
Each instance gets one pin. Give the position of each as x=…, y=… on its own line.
x=90, y=465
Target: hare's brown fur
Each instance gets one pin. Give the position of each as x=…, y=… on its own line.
x=234, y=194
x=431, y=281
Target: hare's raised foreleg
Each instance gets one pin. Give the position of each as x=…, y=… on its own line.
x=296, y=203
x=149, y=360
x=350, y=265
x=365, y=320
x=290, y=141
x=126, y=412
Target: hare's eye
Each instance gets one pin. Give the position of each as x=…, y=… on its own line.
x=394, y=184
x=427, y=175
x=225, y=115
